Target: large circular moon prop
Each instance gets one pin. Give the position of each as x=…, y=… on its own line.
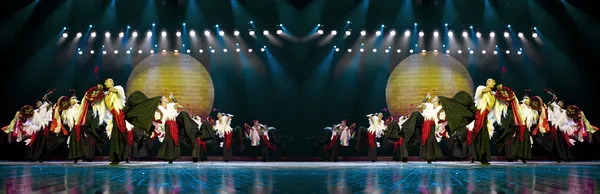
x=418, y=74
x=177, y=73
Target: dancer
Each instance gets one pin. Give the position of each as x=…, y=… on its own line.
x=480, y=131
x=434, y=123
x=516, y=137
x=41, y=142
x=258, y=134
x=397, y=138
x=76, y=141
x=165, y=124
x=140, y=111
x=89, y=120
x=560, y=140
x=375, y=135
x=341, y=134
x=459, y=111
x=226, y=134
x=118, y=130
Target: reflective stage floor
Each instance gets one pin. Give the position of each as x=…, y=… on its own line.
x=300, y=177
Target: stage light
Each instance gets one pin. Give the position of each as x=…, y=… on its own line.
x=362, y=50
x=519, y=52
x=65, y=35
x=236, y=33
x=398, y=51
x=450, y=34
x=200, y=51
x=79, y=35
x=447, y=51
x=237, y=50
x=151, y=51
x=224, y=50
x=535, y=35
x=378, y=33
x=107, y=34
x=483, y=52
x=320, y=31
x=206, y=33
x=164, y=51
x=387, y=50
x=134, y=34
x=436, y=34
x=423, y=51
x=347, y=22
x=178, y=34
x=407, y=33
x=520, y=35
x=534, y=28
x=362, y=33
x=80, y=52
x=188, y=51
x=471, y=52
x=393, y=32
x=251, y=32
x=349, y=50
x=506, y=34
x=92, y=52
x=221, y=33
x=148, y=34
x=411, y=51
x=93, y=34
x=478, y=34
x=251, y=22
x=213, y=51
x=183, y=24
x=415, y=24
x=492, y=34
x=153, y=24
x=121, y=34
x=465, y=34
x=459, y=51
x=319, y=25
x=163, y=34
x=446, y=24
x=508, y=25
x=249, y=50
x=128, y=52
x=495, y=52
x=435, y=51
x=348, y=32
x=374, y=50
x=333, y=32
x=192, y=33
x=507, y=52
x=421, y=34
x=116, y=52
x=262, y=49
x=337, y=49
x=470, y=27
x=104, y=52
x=279, y=31
x=90, y=25
x=140, y=51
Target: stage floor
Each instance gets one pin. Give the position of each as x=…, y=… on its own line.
x=300, y=177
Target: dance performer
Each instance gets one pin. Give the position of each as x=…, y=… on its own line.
x=459, y=111
x=226, y=134
x=203, y=136
x=341, y=134
x=258, y=134
x=560, y=140
x=480, y=131
x=516, y=138
x=376, y=135
x=397, y=136
x=41, y=141
x=140, y=111
x=89, y=120
x=166, y=126
x=78, y=147
x=119, y=131
x=434, y=123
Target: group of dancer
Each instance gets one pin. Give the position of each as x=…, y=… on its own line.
x=105, y=113
x=469, y=124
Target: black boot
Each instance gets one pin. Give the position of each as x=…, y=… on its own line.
x=170, y=161
x=194, y=160
x=75, y=161
x=428, y=161
x=524, y=161
x=472, y=160
x=127, y=160
x=405, y=160
x=113, y=163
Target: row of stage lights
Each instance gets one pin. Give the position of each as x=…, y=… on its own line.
x=130, y=50
x=459, y=51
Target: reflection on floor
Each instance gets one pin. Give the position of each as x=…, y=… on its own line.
x=300, y=177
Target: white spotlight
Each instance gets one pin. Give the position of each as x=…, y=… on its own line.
x=362, y=50
x=249, y=50
x=398, y=51
x=121, y=34
x=140, y=51
x=206, y=33
x=251, y=32
x=320, y=31
x=423, y=51
x=348, y=32
x=495, y=52
x=192, y=33
x=374, y=50
x=65, y=35
x=178, y=34
x=518, y=52
x=393, y=32
x=471, y=52
x=447, y=51
x=128, y=52
x=279, y=31
x=213, y=51
x=163, y=34
x=237, y=50
x=134, y=34
x=224, y=50
x=407, y=33
x=149, y=34
x=262, y=49
x=79, y=35
x=151, y=52
x=478, y=34
x=337, y=49
x=520, y=35
x=200, y=51
x=349, y=50
x=176, y=51
x=421, y=33
x=450, y=34
x=93, y=34
x=92, y=52
x=483, y=52
x=411, y=51
x=116, y=52
x=188, y=51
x=435, y=51
x=492, y=34
x=507, y=52
x=104, y=52
x=535, y=35
x=465, y=34
x=164, y=51
x=387, y=50
x=80, y=52
x=378, y=33
x=107, y=34
x=362, y=33
x=459, y=51
x=221, y=33
x=333, y=32
x=236, y=33
x=506, y=34
x=436, y=34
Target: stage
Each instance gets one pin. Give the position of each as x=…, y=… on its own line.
x=300, y=177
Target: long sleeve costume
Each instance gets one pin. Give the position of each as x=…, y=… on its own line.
x=375, y=135
x=226, y=135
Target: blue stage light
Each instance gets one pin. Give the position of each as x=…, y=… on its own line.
x=508, y=25
x=128, y=27
x=446, y=24
x=90, y=25
x=183, y=24
x=153, y=24
x=251, y=22
x=64, y=28
x=217, y=25
x=415, y=24
x=347, y=22
x=535, y=28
